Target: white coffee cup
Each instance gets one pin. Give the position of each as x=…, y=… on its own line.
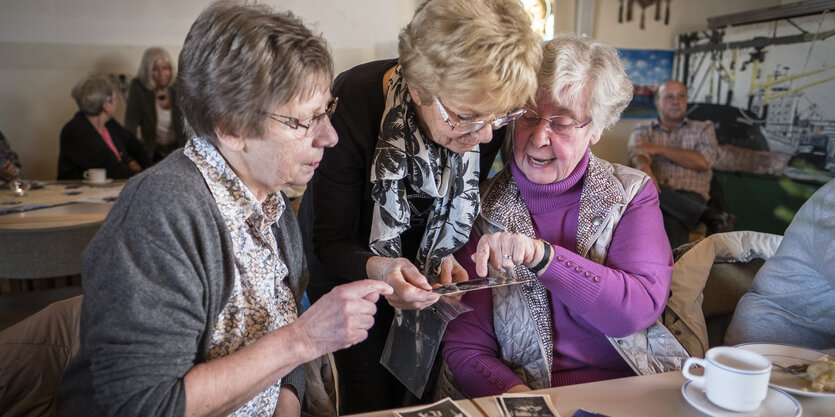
x=734, y=378
x=95, y=175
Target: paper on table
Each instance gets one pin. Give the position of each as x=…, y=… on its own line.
x=519, y=405
x=443, y=408
x=51, y=195
x=103, y=195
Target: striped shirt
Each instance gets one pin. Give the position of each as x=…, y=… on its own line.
x=690, y=134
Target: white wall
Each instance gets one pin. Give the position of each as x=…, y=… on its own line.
x=48, y=45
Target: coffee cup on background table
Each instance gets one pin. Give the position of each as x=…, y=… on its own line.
x=95, y=175
x=735, y=379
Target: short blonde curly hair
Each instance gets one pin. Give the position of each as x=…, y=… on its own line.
x=479, y=51
x=585, y=76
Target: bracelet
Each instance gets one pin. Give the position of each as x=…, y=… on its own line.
x=546, y=258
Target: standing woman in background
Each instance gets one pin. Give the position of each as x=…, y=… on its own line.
x=152, y=105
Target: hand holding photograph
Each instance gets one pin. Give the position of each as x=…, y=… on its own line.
x=476, y=284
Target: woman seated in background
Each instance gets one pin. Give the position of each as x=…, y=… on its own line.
x=152, y=105
x=587, y=233
x=92, y=139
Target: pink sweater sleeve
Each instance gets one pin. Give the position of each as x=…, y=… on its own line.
x=470, y=346
x=629, y=291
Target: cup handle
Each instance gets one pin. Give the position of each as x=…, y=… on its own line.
x=689, y=363
x=87, y=175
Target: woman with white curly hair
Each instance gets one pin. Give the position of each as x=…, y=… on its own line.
x=587, y=233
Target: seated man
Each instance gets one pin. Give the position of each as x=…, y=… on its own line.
x=792, y=298
x=9, y=162
x=677, y=153
x=193, y=285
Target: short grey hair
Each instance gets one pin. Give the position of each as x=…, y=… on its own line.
x=242, y=60
x=579, y=73
x=146, y=67
x=91, y=93
x=482, y=51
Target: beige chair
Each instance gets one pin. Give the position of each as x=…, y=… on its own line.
x=40, y=253
x=33, y=356
x=709, y=277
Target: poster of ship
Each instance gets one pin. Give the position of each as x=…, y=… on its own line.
x=770, y=89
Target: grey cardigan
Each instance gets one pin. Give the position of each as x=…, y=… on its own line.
x=155, y=278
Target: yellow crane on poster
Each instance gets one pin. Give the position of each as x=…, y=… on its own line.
x=771, y=81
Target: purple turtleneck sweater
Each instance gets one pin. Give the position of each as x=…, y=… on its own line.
x=589, y=301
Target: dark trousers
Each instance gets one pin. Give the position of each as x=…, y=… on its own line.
x=364, y=384
x=682, y=211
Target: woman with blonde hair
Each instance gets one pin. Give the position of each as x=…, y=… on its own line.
x=152, y=105
x=397, y=195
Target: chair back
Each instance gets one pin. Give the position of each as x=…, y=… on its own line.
x=44, y=252
x=40, y=254
x=709, y=277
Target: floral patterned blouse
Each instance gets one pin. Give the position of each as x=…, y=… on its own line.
x=261, y=300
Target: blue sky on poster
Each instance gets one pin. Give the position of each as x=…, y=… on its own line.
x=647, y=66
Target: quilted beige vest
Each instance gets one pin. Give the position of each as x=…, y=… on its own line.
x=521, y=313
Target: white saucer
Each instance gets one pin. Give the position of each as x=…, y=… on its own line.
x=776, y=404
x=107, y=181
x=783, y=354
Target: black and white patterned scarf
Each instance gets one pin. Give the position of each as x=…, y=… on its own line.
x=405, y=162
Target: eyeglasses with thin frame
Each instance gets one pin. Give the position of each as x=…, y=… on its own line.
x=464, y=127
x=294, y=123
x=561, y=125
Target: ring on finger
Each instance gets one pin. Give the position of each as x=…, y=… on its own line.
x=506, y=256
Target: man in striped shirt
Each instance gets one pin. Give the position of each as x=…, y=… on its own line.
x=677, y=153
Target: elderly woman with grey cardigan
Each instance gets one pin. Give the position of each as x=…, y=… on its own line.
x=192, y=288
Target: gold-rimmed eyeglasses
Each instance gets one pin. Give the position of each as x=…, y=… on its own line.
x=294, y=123
x=561, y=125
x=467, y=126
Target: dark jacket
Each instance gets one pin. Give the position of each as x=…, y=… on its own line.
x=83, y=148
x=340, y=191
x=141, y=111
x=336, y=215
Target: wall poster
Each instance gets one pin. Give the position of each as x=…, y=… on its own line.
x=770, y=89
x=647, y=69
